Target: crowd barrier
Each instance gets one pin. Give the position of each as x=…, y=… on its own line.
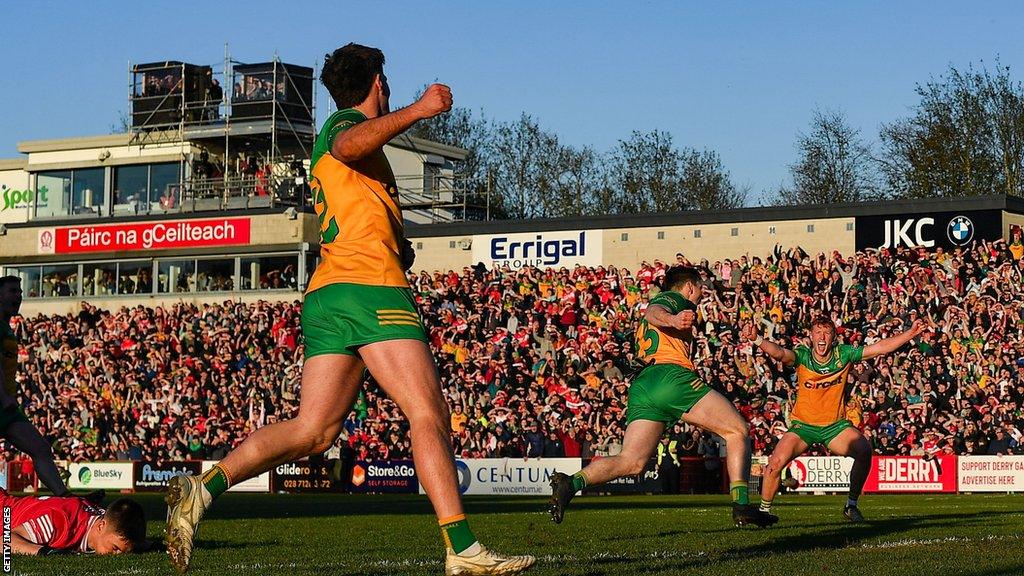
x=531, y=477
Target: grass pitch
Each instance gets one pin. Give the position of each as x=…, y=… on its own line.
x=354, y=535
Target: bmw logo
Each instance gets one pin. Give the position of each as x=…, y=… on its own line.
x=960, y=230
x=465, y=477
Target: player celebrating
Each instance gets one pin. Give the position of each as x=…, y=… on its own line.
x=14, y=425
x=44, y=525
x=358, y=312
x=819, y=413
x=666, y=390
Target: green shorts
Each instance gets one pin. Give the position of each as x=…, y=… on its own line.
x=340, y=318
x=663, y=393
x=818, y=434
x=10, y=416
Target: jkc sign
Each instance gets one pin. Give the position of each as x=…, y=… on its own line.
x=540, y=249
x=145, y=236
x=931, y=230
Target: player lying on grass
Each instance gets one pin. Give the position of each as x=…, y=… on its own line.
x=819, y=412
x=667, y=390
x=44, y=525
x=358, y=313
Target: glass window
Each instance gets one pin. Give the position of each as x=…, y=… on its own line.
x=258, y=87
x=135, y=277
x=29, y=280
x=87, y=192
x=99, y=279
x=270, y=273
x=53, y=193
x=130, y=185
x=164, y=191
x=215, y=275
x=174, y=276
x=60, y=281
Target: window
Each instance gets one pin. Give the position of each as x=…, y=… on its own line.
x=771, y=230
x=99, y=279
x=66, y=192
x=164, y=191
x=130, y=186
x=661, y=235
x=270, y=272
x=30, y=278
x=431, y=173
x=53, y=193
x=176, y=276
x=135, y=277
x=696, y=233
x=625, y=236
x=849, y=226
x=215, y=275
x=810, y=228
x=734, y=232
x=87, y=192
x=451, y=244
x=419, y=245
x=60, y=281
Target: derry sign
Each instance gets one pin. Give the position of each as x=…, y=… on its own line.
x=144, y=236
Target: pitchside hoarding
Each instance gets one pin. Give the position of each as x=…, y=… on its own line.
x=154, y=476
x=912, y=474
x=384, y=477
x=821, y=473
x=511, y=476
x=105, y=475
x=303, y=476
x=540, y=249
x=990, y=473
x=928, y=230
x=144, y=236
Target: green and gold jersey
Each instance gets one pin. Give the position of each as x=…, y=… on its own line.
x=9, y=359
x=656, y=345
x=361, y=227
x=821, y=394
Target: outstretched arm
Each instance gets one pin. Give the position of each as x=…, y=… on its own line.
x=751, y=334
x=893, y=343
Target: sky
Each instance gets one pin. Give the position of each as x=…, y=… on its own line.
x=740, y=78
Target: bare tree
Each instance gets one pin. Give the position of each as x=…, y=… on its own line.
x=706, y=184
x=833, y=164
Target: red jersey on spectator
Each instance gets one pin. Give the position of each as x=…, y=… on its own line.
x=62, y=523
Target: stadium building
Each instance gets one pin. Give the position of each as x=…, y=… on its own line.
x=204, y=198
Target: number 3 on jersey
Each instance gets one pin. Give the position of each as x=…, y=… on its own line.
x=646, y=341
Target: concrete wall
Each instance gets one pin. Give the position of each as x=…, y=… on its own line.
x=716, y=242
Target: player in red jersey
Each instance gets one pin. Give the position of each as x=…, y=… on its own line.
x=43, y=525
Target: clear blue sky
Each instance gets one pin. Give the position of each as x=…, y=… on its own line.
x=737, y=77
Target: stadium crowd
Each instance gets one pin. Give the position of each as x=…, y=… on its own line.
x=537, y=362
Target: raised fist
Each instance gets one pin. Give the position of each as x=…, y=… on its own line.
x=436, y=99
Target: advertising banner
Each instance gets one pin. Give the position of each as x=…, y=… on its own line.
x=144, y=236
x=153, y=477
x=105, y=475
x=260, y=483
x=16, y=197
x=380, y=477
x=540, y=249
x=929, y=230
x=303, y=476
x=821, y=473
x=511, y=476
x=647, y=482
x=990, y=473
x=912, y=474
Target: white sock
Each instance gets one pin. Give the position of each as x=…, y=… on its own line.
x=474, y=549
x=851, y=502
